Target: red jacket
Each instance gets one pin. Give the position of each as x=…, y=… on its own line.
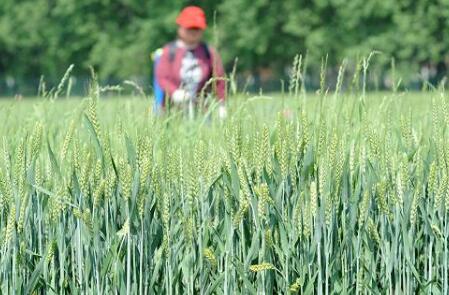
x=168, y=69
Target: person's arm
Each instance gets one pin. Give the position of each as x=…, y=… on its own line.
x=218, y=72
x=163, y=73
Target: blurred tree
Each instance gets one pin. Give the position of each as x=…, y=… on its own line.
x=118, y=36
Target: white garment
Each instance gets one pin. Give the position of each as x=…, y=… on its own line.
x=191, y=74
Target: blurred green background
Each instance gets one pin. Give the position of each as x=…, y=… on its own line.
x=43, y=37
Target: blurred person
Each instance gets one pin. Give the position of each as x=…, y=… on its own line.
x=185, y=66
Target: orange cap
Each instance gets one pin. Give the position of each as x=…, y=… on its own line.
x=192, y=17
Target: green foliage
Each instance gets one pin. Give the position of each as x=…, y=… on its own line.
x=117, y=37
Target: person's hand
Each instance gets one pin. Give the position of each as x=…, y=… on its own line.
x=222, y=112
x=287, y=113
x=179, y=96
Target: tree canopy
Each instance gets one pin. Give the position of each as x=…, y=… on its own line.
x=117, y=36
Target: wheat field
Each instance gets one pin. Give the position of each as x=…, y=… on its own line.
x=347, y=193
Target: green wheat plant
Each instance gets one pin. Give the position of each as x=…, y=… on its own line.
x=348, y=195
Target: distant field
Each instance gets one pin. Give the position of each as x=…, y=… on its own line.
x=314, y=194
x=416, y=102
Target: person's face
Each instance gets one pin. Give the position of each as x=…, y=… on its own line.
x=190, y=36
